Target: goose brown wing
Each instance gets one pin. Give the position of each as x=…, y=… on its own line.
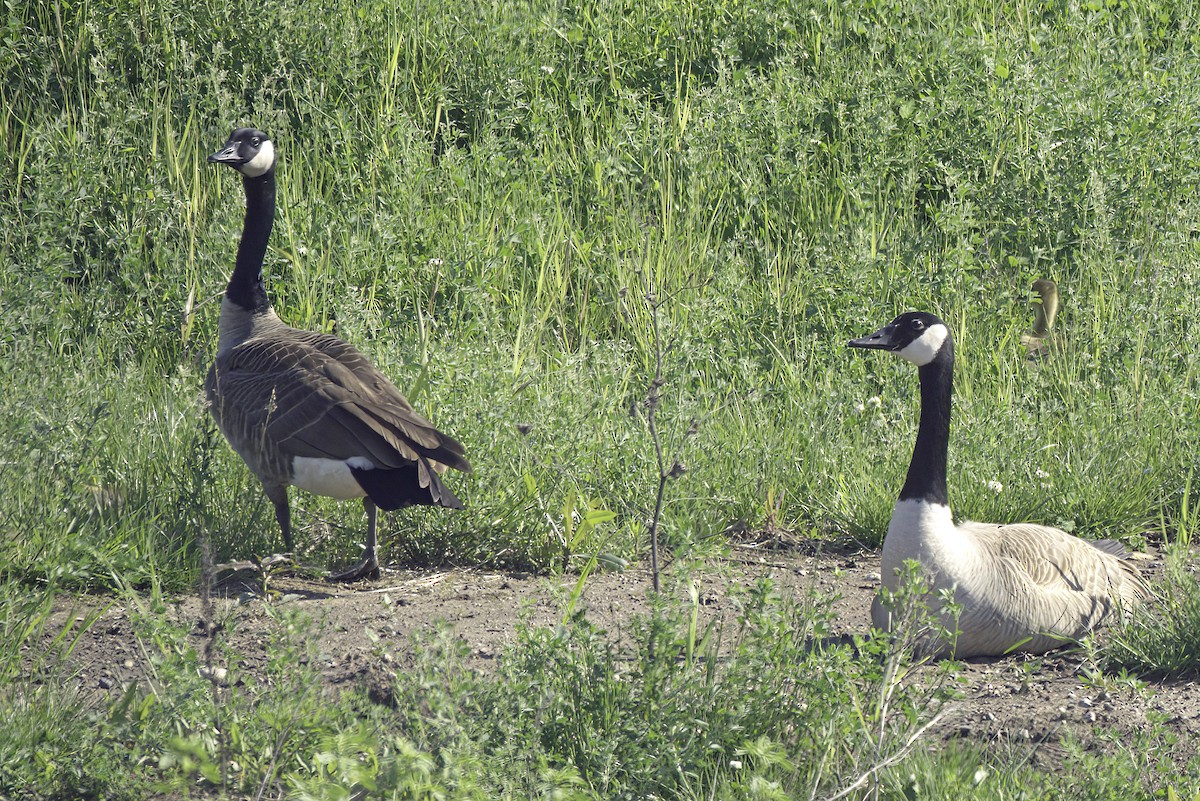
x=307, y=403
x=371, y=382
x=380, y=398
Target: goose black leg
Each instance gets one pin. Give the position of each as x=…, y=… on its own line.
x=368, y=568
x=283, y=513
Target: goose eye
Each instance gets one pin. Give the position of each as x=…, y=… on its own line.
x=255, y=141
x=917, y=325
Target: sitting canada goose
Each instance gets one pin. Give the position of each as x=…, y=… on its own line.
x=1038, y=342
x=305, y=408
x=1021, y=587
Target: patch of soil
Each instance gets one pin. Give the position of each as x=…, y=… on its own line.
x=1029, y=703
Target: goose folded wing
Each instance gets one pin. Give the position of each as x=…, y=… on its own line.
x=1047, y=557
x=376, y=395
x=383, y=401
x=1064, y=583
x=410, y=427
x=368, y=380
x=310, y=405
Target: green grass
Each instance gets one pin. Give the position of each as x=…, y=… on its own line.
x=481, y=196
x=785, y=180
x=759, y=703
x=1161, y=640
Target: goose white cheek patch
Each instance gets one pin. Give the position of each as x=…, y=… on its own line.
x=262, y=161
x=924, y=349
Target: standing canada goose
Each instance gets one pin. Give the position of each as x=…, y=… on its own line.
x=307, y=409
x=1021, y=587
x=1038, y=342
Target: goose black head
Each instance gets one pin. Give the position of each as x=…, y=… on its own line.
x=918, y=337
x=249, y=151
x=1044, y=287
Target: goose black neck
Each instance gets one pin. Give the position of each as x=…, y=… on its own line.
x=927, y=470
x=246, y=284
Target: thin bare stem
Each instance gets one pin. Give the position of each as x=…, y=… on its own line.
x=899, y=754
x=652, y=400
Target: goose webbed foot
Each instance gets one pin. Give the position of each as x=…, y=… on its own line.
x=365, y=570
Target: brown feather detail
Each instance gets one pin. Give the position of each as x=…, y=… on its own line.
x=436, y=445
x=372, y=384
x=283, y=395
x=377, y=396
x=1054, y=559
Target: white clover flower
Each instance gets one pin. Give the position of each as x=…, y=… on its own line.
x=995, y=486
x=1040, y=473
x=874, y=401
x=859, y=408
x=435, y=262
x=303, y=251
x=735, y=764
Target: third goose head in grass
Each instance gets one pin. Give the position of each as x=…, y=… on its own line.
x=1039, y=342
x=1020, y=587
x=307, y=409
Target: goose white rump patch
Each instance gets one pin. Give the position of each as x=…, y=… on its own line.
x=924, y=349
x=329, y=477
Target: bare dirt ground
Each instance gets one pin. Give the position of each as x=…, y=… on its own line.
x=1008, y=702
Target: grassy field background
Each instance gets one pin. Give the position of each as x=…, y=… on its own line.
x=484, y=195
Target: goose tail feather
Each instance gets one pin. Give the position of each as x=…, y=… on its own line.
x=415, y=484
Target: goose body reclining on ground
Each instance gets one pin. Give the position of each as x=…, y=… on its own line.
x=308, y=409
x=1020, y=587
